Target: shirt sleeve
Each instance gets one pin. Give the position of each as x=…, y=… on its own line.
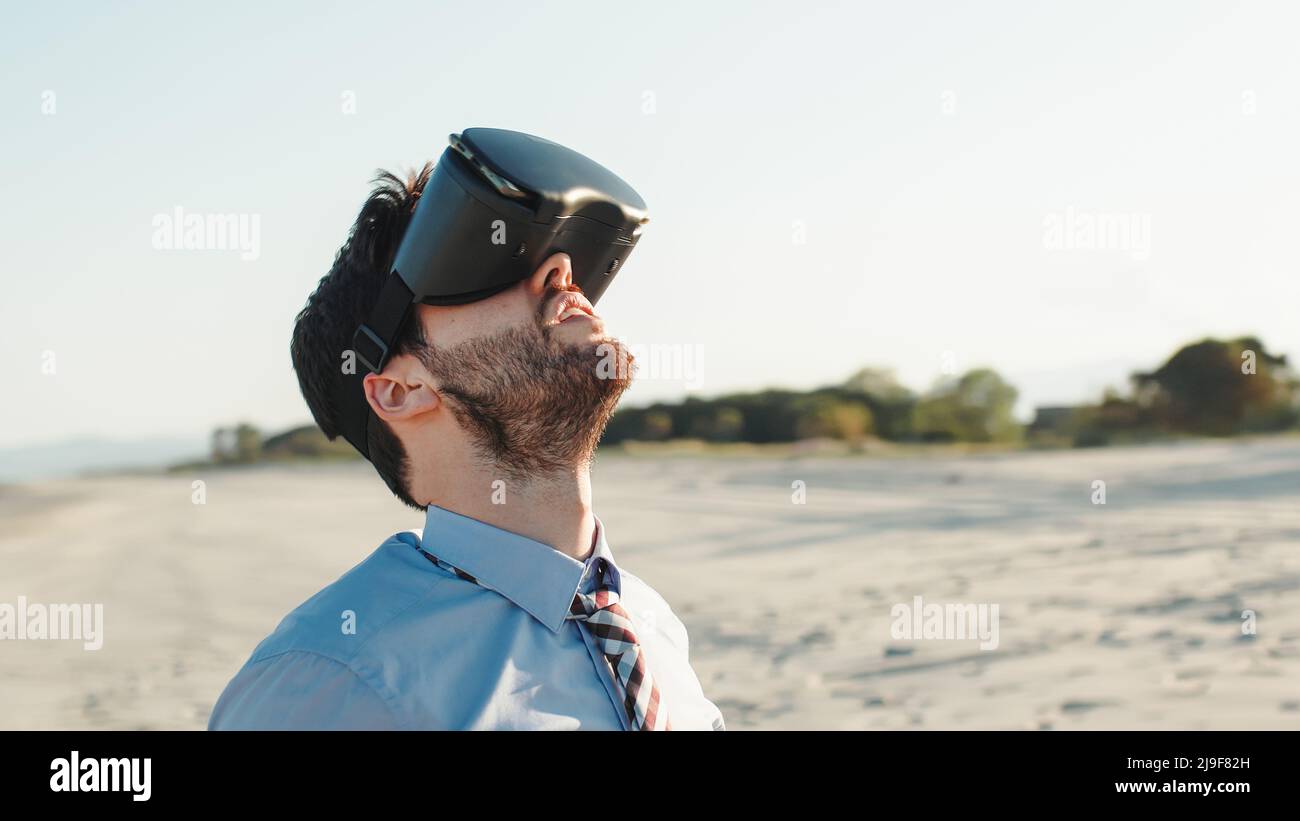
x=299, y=690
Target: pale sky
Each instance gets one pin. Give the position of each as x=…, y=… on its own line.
x=829, y=185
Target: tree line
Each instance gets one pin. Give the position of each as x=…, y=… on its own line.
x=1212, y=387
x=1207, y=388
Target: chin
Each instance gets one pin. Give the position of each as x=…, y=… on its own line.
x=613, y=361
x=586, y=345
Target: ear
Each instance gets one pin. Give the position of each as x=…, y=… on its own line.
x=402, y=391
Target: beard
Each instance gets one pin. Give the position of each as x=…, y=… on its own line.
x=532, y=404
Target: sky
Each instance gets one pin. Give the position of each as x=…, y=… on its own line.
x=830, y=186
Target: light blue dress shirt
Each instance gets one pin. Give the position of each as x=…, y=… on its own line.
x=400, y=643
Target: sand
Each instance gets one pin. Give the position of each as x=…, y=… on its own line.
x=1122, y=615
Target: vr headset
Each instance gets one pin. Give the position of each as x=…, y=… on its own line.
x=496, y=206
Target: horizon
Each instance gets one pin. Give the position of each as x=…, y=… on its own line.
x=115, y=452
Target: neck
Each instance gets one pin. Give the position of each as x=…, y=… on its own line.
x=553, y=509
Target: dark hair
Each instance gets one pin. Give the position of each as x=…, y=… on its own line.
x=342, y=301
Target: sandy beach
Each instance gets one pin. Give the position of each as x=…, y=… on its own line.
x=1122, y=615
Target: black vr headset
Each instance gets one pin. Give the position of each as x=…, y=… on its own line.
x=496, y=206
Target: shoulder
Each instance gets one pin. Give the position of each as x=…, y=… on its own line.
x=323, y=665
x=344, y=618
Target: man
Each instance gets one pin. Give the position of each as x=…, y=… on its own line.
x=508, y=611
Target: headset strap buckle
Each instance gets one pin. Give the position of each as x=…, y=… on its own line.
x=370, y=349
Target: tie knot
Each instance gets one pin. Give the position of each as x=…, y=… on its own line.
x=602, y=598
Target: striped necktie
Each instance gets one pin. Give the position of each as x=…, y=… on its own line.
x=612, y=628
x=615, y=636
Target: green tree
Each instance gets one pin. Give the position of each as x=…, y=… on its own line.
x=221, y=444
x=1218, y=388
x=721, y=423
x=974, y=408
x=825, y=417
x=656, y=425
x=880, y=383
x=248, y=443
x=891, y=404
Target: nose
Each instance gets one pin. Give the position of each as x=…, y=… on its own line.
x=556, y=272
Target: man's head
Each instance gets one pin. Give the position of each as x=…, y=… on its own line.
x=522, y=382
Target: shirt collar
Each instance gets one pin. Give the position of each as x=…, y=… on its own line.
x=533, y=575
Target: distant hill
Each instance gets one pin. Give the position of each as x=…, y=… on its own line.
x=73, y=457
x=244, y=444
x=306, y=442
